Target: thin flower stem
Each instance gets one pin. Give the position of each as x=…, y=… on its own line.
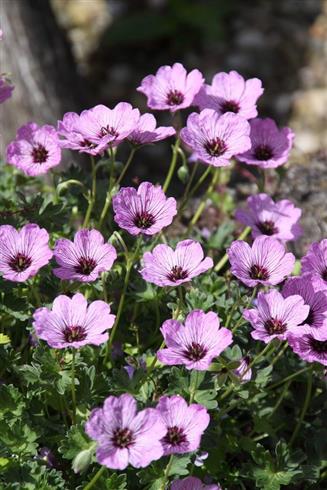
x=203, y=201
x=104, y=288
x=95, y=478
x=188, y=187
x=126, y=166
x=224, y=259
x=129, y=266
x=92, y=196
x=35, y=293
x=288, y=378
x=280, y=353
x=304, y=408
x=73, y=388
x=199, y=183
x=108, y=196
x=172, y=165
x=281, y=397
x=238, y=323
x=166, y=474
x=194, y=386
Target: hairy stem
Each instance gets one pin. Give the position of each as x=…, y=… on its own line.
x=304, y=408
x=172, y=165
x=92, y=196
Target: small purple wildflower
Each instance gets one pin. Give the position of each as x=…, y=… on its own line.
x=73, y=323
x=6, y=89
x=309, y=347
x=216, y=139
x=85, y=258
x=185, y=424
x=145, y=210
x=146, y=132
x=123, y=436
x=167, y=267
x=270, y=146
x=35, y=149
x=192, y=483
x=196, y=343
x=266, y=217
x=171, y=88
x=46, y=455
x=229, y=92
x=316, y=319
x=242, y=371
x=266, y=262
x=23, y=252
x=276, y=316
x=315, y=263
x=97, y=129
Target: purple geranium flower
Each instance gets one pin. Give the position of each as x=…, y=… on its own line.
x=166, y=267
x=192, y=483
x=266, y=262
x=146, y=131
x=196, y=343
x=145, y=210
x=242, y=371
x=23, y=252
x=6, y=89
x=270, y=146
x=123, y=436
x=85, y=258
x=216, y=139
x=316, y=319
x=185, y=424
x=73, y=323
x=171, y=87
x=310, y=347
x=276, y=316
x=229, y=92
x=35, y=149
x=266, y=217
x=98, y=128
x=315, y=262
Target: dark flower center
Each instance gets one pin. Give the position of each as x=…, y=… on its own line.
x=258, y=272
x=75, y=333
x=195, y=352
x=230, y=106
x=215, y=147
x=39, y=154
x=267, y=227
x=175, y=97
x=263, y=152
x=20, y=262
x=85, y=266
x=175, y=436
x=122, y=438
x=177, y=273
x=143, y=220
x=87, y=144
x=108, y=130
x=274, y=326
x=324, y=274
x=319, y=346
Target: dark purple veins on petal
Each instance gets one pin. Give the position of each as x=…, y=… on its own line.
x=144, y=220
x=195, y=352
x=20, y=262
x=39, y=154
x=319, y=346
x=259, y=272
x=275, y=326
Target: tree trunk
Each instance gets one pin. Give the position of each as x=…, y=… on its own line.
x=36, y=54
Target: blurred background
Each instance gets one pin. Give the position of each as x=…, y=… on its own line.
x=68, y=55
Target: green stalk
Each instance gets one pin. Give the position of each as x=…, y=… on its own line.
x=172, y=165
x=304, y=408
x=73, y=388
x=108, y=196
x=95, y=478
x=194, y=387
x=92, y=196
x=166, y=474
x=288, y=378
x=224, y=259
x=238, y=323
x=199, y=183
x=203, y=201
x=126, y=166
x=188, y=187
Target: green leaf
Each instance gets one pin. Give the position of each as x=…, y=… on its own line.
x=75, y=442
